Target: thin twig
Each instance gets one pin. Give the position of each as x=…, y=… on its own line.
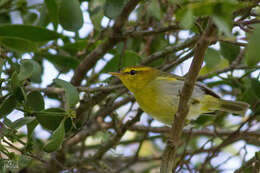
x=170, y=49
x=80, y=88
x=151, y=32
x=116, y=138
x=25, y=153
x=239, y=67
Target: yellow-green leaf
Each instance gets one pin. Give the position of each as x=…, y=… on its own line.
x=70, y=15
x=28, y=32
x=252, y=50
x=71, y=92
x=56, y=139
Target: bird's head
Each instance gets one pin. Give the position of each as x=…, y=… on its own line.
x=136, y=77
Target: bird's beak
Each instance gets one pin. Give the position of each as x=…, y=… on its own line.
x=115, y=74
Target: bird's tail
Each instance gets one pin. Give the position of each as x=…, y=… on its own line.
x=211, y=103
x=236, y=107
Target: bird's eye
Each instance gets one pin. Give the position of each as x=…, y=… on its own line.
x=133, y=72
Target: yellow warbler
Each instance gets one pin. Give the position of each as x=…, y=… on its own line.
x=157, y=93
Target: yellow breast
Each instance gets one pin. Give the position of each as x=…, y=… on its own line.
x=161, y=107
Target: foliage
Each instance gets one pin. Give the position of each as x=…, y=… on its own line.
x=89, y=125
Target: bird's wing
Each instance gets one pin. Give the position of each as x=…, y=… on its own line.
x=173, y=84
x=207, y=90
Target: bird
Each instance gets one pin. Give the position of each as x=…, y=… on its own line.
x=158, y=94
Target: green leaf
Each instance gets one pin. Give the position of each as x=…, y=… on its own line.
x=50, y=118
x=30, y=18
x=62, y=62
x=212, y=58
x=96, y=13
x=202, y=8
x=222, y=16
x=7, y=106
x=28, y=32
x=19, y=94
x=30, y=128
x=130, y=58
x=35, y=101
x=158, y=43
x=5, y=18
x=21, y=122
x=249, y=96
x=71, y=92
x=187, y=20
x=3, y=3
x=18, y=44
x=222, y=64
x=203, y=120
x=248, y=169
x=14, y=82
x=7, y=121
x=223, y=24
x=174, y=1
x=2, y=62
x=229, y=51
x=255, y=84
x=252, y=50
x=26, y=70
x=24, y=161
x=74, y=48
x=257, y=155
x=70, y=15
x=52, y=7
x=44, y=19
x=113, y=8
x=37, y=72
x=154, y=10
x=56, y=139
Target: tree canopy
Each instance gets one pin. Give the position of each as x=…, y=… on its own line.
x=55, y=56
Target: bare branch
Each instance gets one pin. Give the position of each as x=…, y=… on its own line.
x=253, y=164
x=170, y=49
x=203, y=132
x=151, y=32
x=80, y=88
x=169, y=158
x=239, y=67
x=116, y=138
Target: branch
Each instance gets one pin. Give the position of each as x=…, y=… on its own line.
x=253, y=163
x=228, y=140
x=151, y=32
x=116, y=138
x=178, y=61
x=122, y=142
x=234, y=42
x=202, y=132
x=114, y=37
x=80, y=88
x=169, y=49
x=241, y=135
x=26, y=153
x=169, y=159
x=247, y=22
x=217, y=72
